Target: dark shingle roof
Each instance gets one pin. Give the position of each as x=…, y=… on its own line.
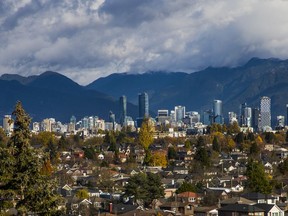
x=241, y=208
x=264, y=206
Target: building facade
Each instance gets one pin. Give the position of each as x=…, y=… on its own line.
x=265, y=112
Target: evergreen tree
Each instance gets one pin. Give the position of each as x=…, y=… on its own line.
x=257, y=178
x=215, y=144
x=172, y=154
x=22, y=183
x=144, y=188
x=186, y=186
x=201, y=154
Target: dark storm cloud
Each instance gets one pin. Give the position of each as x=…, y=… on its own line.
x=86, y=39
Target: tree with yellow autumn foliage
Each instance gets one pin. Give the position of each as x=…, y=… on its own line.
x=158, y=158
x=146, y=134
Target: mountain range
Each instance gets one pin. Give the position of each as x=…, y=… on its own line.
x=53, y=95
x=196, y=91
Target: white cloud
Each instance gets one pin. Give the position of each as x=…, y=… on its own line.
x=86, y=39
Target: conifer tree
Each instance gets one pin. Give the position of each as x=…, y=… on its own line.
x=258, y=180
x=23, y=185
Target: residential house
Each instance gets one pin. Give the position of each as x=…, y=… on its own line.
x=188, y=196
x=178, y=208
x=236, y=200
x=240, y=209
x=206, y=211
x=260, y=198
x=270, y=210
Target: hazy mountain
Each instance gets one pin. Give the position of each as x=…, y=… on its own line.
x=196, y=91
x=53, y=95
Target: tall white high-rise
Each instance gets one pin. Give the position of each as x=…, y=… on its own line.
x=217, y=112
x=8, y=124
x=265, y=112
x=179, y=113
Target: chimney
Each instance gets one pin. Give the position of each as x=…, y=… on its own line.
x=110, y=208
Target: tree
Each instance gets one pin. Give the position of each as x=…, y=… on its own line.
x=215, y=144
x=63, y=143
x=283, y=167
x=233, y=128
x=3, y=138
x=22, y=183
x=239, y=139
x=257, y=178
x=186, y=186
x=269, y=137
x=254, y=149
x=144, y=188
x=145, y=134
x=201, y=154
x=172, y=154
x=158, y=159
x=82, y=194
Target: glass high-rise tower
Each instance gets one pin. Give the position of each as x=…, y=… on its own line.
x=123, y=109
x=217, y=111
x=143, y=104
x=265, y=112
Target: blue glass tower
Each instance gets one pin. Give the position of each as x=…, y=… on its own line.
x=143, y=104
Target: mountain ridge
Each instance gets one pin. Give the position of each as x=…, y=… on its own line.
x=54, y=95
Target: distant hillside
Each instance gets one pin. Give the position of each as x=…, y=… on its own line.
x=259, y=77
x=53, y=95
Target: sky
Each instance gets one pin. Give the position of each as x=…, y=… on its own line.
x=88, y=39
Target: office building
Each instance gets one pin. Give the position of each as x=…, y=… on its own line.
x=241, y=117
x=179, y=113
x=123, y=109
x=217, y=112
x=255, y=118
x=265, y=112
x=280, y=121
x=8, y=124
x=143, y=104
x=208, y=117
x=232, y=117
x=286, y=114
x=247, y=117
x=163, y=116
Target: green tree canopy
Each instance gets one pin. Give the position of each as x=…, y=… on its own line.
x=144, y=188
x=22, y=182
x=215, y=144
x=186, y=186
x=258, y=180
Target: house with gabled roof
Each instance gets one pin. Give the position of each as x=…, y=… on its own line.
x=188, y=196
x=240, y=209
x=205, y=211
x=260, y=198
x=236, y=200
x=178, y=208
x=270, y=210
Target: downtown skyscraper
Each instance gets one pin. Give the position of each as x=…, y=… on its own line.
x=217, y=111
x=265, y=112
x=123, y=109
x=143, y=104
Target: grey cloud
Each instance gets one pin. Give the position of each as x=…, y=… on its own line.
x=91, y=38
